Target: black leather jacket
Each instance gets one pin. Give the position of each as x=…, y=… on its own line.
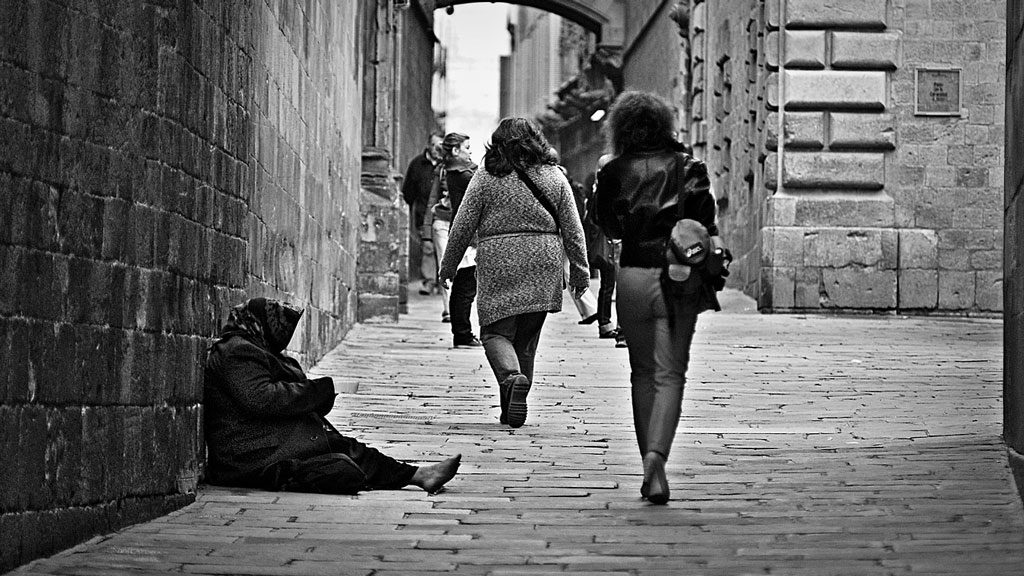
x=641, y=195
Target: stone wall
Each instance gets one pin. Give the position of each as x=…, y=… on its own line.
x=883, y=208
x=728, y=124
x=650, y=54
x=304, y=225
x=159, y=162
x=1013, y=260
x=417, y=115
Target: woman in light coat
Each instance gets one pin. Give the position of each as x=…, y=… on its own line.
x=520, y=238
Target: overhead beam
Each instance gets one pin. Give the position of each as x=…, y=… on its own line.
x=578, y=11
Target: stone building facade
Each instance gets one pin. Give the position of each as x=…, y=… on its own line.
x=159, y=163
x=891, y=155
x=889, y=199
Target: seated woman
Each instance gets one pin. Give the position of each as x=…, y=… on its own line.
x=265, y=425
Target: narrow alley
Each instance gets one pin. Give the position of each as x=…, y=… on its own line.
x=810, y=445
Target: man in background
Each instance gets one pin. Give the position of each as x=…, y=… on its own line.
x=419, y=179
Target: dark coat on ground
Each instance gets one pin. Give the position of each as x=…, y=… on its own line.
x=261, y=409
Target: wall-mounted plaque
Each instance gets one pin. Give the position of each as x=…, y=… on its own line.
x=937, y=91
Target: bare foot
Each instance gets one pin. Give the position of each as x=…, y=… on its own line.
x=433, y=478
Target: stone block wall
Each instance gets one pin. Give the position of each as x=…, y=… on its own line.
x=728, y=117
x=304, y=224
x=864, y=172
x=159, y=162
x=946, y=173
x=1013, y=262
x=417, y=115
x=651, y=52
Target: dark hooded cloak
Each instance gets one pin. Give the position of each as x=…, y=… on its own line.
x=260, y=408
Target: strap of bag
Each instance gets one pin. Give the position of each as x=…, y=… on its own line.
x=540, y=196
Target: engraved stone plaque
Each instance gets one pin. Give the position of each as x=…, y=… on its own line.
x=937, y=92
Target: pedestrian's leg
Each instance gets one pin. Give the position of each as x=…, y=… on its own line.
x=440, y=229
x=527, y=336
x=604, y=296
x=497, y=339
x=671, y=358
x=636, y=320
x=461, y=305
x=526, y=339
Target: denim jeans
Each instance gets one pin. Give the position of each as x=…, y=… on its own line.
x=658, y=355
x=511, y=344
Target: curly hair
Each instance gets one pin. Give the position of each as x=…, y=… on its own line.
x=640, y=121
x=517, y=143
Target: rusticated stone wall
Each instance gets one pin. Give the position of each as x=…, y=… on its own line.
x=882, y=208
x=1013, y=261
x=159, y=162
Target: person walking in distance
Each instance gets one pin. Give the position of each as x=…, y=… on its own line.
x=642, y=193
x=416, y=188
x=455, y=172
x=521, y=209
x=602, y=254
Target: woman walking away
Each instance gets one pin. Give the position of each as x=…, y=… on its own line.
x=521, y=209
x=641, y=195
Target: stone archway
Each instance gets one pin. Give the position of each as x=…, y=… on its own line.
x=602, y=17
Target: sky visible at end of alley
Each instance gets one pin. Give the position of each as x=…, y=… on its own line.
x=476, y=37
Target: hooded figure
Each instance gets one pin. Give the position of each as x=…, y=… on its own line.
x=265, y=425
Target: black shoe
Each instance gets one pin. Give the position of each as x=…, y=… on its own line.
x=609, y=334
x=472, y=343
x=446, y=318
x=517, y=401
x=589, y=319
x=620, y=341
x=655, y=486
x=504, y=393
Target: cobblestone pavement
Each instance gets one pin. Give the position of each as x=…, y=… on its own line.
x=810, y=445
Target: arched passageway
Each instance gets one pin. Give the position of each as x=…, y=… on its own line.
x=594, y=16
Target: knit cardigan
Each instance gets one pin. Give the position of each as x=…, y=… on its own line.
x=519, y=252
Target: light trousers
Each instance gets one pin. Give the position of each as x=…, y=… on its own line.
x=658, y=355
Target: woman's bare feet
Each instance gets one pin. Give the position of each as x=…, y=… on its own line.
x=433, y=478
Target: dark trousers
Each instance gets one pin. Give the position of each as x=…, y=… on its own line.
x=511, y=343
x=350, y=467
x=460, y=303
x=604, y=294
